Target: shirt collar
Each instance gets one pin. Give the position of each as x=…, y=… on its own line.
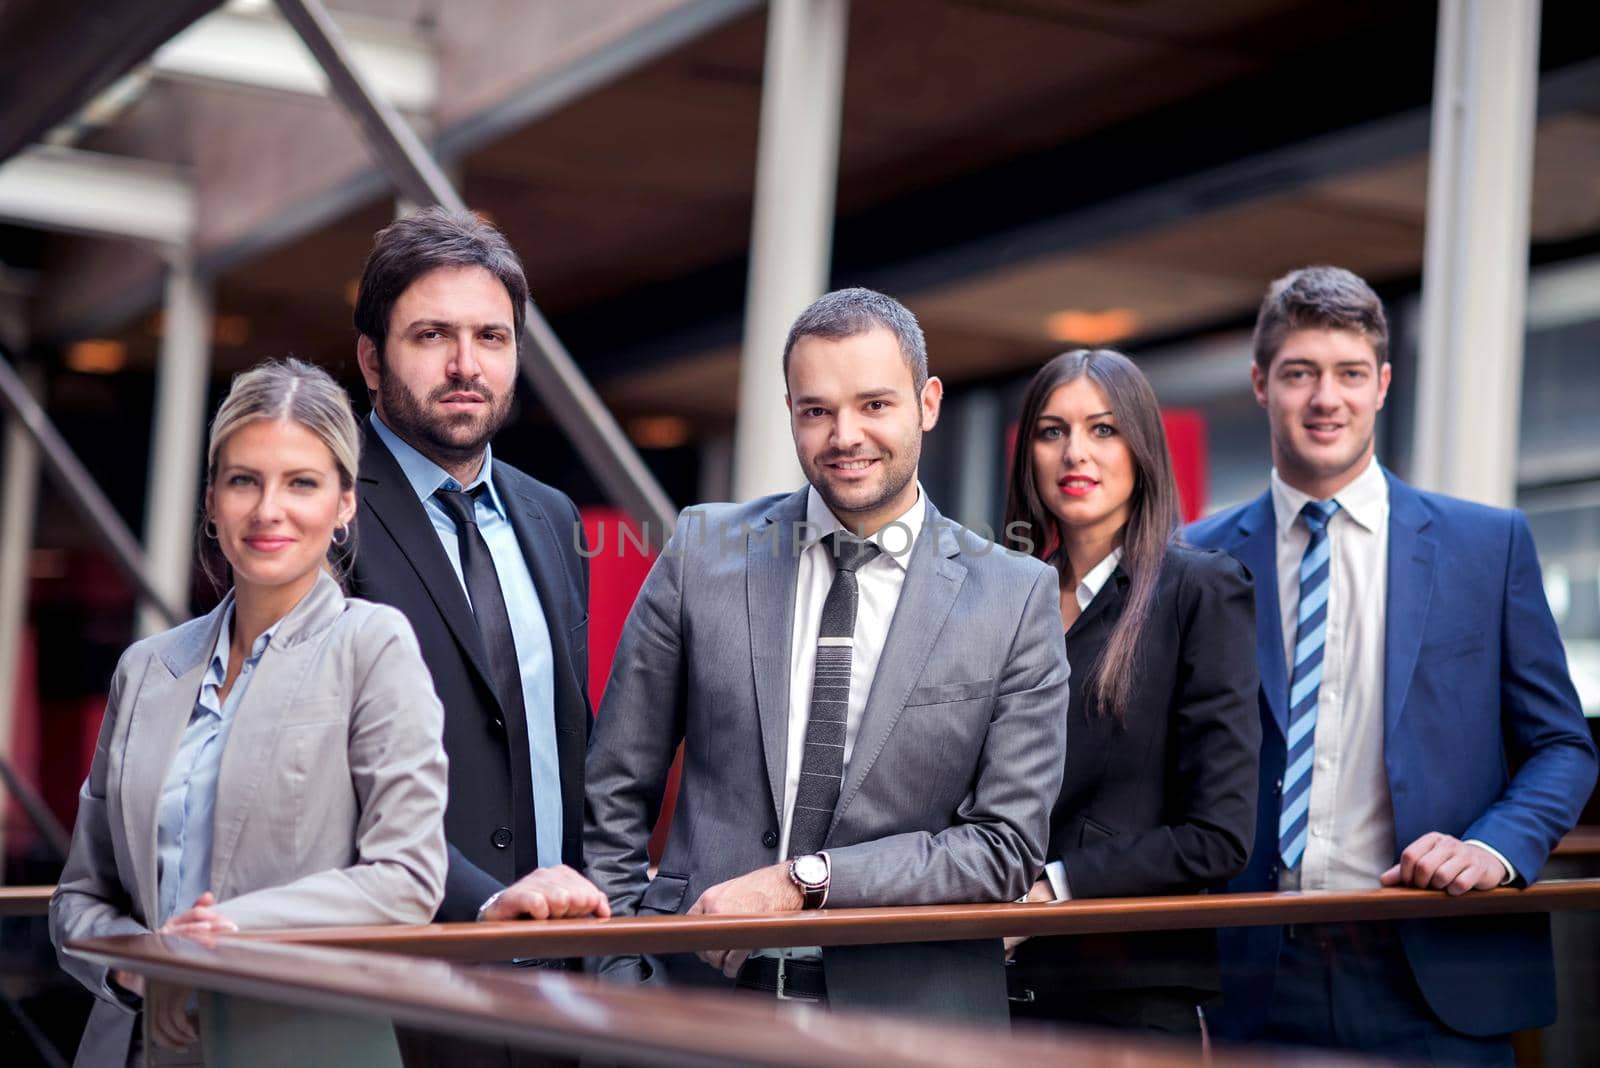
x=217, y=673
x=1097, y=578
x=895, y=537
x=1365, y=500
x=425, y=476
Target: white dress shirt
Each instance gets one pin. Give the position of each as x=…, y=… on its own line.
x=1088, y=589
x=1351, y=819
x=878, y=585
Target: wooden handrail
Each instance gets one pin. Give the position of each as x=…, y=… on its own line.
x=930, y=923
x=25, y=900
x=35, y=900
x=575, y=1015
x=1580, y=842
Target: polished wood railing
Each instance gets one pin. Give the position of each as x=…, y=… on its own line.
x=25, y=900
x=574, y=1015
x=929, y=923
x=335, y=969
x=1583, y=842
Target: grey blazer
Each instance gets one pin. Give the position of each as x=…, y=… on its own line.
x=956, y=764
x=330, y=798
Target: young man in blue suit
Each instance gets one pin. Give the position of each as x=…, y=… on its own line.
x=1419, y=724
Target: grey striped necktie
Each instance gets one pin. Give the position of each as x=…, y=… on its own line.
x=822, y=765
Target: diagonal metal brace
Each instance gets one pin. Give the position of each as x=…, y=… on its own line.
x=546, y=364
x=81, y=491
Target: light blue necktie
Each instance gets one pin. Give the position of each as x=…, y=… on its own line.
x=1310, y=629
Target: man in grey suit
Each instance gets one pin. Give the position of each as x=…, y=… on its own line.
x=872, y=700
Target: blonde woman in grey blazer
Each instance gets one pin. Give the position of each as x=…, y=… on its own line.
x=274, y=763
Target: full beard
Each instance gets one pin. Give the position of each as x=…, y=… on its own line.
x=447, y=440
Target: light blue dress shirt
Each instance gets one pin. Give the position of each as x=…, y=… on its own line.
x=530, y=632
x=186, y=817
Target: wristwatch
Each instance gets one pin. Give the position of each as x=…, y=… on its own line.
x=811, y=872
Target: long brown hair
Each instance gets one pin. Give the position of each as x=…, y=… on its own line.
x=1152, y=516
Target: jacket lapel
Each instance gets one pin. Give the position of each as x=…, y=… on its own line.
x=771, y=570
x=1411, y=560
x=253, y=734
x=934, y=574
x=389, y=499
x=1255, y=545
x=155, y=730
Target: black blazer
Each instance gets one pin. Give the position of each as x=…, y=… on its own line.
x=399, y=561
x=1165, y=801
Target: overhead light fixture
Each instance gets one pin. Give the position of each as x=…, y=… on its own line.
x=1092, y=327
x=659, y=431
x=100, y=356
x=225, y=329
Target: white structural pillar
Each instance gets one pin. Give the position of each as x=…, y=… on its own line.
x=1475, y=270
x=172, y=503
x=797, y=168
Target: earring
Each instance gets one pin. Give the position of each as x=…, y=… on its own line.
x=341, y=534
x=211, y=529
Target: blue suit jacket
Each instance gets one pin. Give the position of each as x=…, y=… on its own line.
x=1483, y=738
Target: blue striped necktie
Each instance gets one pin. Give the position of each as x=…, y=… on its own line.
x=1310, y=629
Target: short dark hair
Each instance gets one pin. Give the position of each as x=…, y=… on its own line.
x=424, y=241
x=1319, y=298
x=849, y=312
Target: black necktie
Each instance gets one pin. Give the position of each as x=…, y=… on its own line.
x=822, y=766
x=488, y=602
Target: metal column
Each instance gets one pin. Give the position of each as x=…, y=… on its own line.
x=172, y=500
x=19, y=496
x=546, y=364
x=1475, y=271
x=791, y=244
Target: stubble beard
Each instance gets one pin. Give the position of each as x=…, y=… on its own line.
x=897, y=475
x=440, y=437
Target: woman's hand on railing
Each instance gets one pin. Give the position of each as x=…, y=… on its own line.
x=201, y=921
x=1039, y=892
x=167, y=1019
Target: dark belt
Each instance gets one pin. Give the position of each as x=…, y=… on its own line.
x=802, y=978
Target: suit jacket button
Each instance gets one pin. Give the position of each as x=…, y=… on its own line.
x=501, y=837
x=770, y=839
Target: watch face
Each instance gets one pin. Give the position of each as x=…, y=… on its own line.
x=811, y=869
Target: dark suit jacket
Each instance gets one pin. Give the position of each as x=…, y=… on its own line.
x=1483, y=738
x=1163, y=802
x=399, y=561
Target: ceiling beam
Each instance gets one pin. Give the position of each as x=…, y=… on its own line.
x=241, y=45
x=52, y=188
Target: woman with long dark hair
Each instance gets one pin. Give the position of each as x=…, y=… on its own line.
x=1163, y=736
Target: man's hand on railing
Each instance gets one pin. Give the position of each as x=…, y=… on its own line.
x=1439, y=862
x=553, y=893
x=764, y=890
